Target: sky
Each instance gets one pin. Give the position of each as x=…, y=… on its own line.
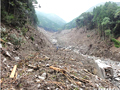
x=68, y=9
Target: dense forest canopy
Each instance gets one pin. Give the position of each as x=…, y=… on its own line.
x=18, y=12
x=106, y=18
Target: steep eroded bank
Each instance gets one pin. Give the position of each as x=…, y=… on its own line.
x=88, y=42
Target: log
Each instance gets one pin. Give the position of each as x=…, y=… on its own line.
x=58, y=69
x=13, y=72
x=2, y=40
x=0, y=81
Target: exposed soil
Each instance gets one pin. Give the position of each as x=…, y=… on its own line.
x=88, y=42
x=71, y=71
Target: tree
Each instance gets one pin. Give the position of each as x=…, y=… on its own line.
x=17, y=12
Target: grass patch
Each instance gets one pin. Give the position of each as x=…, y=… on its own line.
x=116, y=43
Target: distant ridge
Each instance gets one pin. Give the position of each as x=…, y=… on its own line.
x=50, y=21
x=102, y=3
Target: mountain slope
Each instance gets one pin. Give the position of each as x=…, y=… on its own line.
x=55, y=19
x=49, y=21
x=71, y=24
x=102, y=3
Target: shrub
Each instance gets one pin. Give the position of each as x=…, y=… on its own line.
x=24, y=31
x=4, y=33
x=15, y=40
x=107, y=32
x=116, y=43
x=32, y=38
x=88, y=35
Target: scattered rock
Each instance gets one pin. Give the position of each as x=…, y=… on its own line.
x=0, y=45
x=36, y=45
x=36, y=76
x=7, y=53
x=44, y=75
x=117, y=79
x=48, y=88
x=42, y=78
x=30, y=70
x=27, y=37
x=32, y=66
x=4, y=59
x=9, y=43
x=38, y=86
x=47, y=65
x=37, y=80
x=46, y=57
x=17, y=58
x=119, y=75
x=8, y=66
x=72, y=59
x=57, y=89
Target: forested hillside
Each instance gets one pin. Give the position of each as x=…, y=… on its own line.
x=18, y=12
x=53, y=17
x=49, y=21
x=72, y=24
x=106, y=18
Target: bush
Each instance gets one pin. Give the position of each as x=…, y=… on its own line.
x=4, y=33
x=15, y=40
x=88, y=35
x=32, y=38
x=116, y=43
x=24, y=31
x=107, y=32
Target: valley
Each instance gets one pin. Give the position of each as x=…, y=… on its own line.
x=41, y=51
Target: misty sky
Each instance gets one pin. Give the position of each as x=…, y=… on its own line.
x=68, y=9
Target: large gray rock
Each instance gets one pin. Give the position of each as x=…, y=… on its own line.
x=104, y=71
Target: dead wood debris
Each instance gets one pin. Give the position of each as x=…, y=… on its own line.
x=13, y=72
x=69, y=77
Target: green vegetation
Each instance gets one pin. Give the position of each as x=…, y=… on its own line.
x=116, y=43
x=50, y=22
x=106, y=18
x=32, y=38
x=24, y=30
x=71, y=24
x=4, y=33
x=18, y=12
x=15, y=40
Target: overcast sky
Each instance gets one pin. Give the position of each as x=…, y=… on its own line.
x=68, y=9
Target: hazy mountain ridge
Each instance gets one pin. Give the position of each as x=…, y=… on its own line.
x=56, y=19
x=50, y=21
